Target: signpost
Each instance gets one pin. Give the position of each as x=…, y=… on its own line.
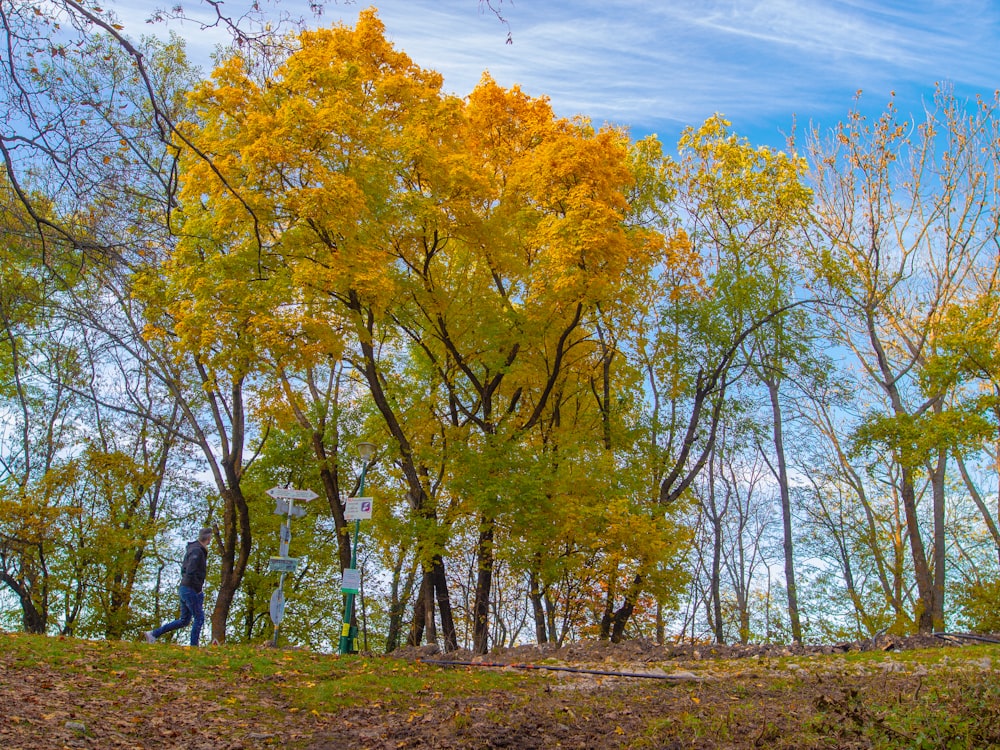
x=355, y=509
x=285, y=498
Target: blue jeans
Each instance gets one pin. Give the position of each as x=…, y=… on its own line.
x=192, y=608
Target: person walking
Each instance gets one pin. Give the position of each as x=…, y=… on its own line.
x=192, y=597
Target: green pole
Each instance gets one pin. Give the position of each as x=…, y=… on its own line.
x=349, y=633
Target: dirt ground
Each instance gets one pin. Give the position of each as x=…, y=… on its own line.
x=591, y=696
x=692, y=696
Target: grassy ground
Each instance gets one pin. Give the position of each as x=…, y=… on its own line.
x=57, y=693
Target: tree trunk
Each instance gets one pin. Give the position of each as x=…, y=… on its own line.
x=34, y=619
x=607, y=618
x=416, y=636
x=331, y=488
x=484, y=588
x=624, y=612
x=236, y=548
x=550, y=619
x=427, y=594
x=977, y=497
x=537, y=608
x=938, y=490
x=397, y=604
x=715, y=580
x=786, y=512
x=921, y=571
x=661, y=630
x=449, y=632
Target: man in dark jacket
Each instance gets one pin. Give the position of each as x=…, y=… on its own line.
x=192, y=596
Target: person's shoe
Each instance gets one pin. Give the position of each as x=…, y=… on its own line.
x=150, y=638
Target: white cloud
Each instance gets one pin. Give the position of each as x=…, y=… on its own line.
x=660, y=65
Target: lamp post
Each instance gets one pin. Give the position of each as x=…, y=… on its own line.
x=348, y=632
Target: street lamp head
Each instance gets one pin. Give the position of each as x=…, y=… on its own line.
x=366, y=450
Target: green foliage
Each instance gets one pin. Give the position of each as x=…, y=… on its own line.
x=914, y=438
x=978, y=604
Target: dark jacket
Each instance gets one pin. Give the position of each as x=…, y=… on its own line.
x=193, y=567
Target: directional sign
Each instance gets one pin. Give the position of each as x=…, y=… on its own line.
x=282, y=564
x=281, y=509
x=351, y=582
x=289, y=494
x=277, y=606
x=358, y=509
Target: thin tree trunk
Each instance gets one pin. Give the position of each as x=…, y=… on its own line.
x=921, y=570
x=716, y=581
x=550, y=620
x=236, y=548
x=786, y=511
x=938, y=491
x=977, y=497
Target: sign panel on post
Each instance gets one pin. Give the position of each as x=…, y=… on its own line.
x=358, y=509
x=281, y=509
x=290, y=494
x=351, y=583
x=277, y=606
x=282, y=564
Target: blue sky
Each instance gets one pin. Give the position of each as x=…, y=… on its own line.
x=660, y=65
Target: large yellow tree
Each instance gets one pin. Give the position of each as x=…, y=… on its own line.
x=348, y=208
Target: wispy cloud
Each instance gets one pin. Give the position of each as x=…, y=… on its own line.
x=659, y=65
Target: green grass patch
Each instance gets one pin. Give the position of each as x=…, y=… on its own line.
x=308, y=681
x=934, y=698
x=390, y=683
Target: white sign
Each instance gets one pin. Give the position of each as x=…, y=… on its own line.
x=358, y=509
x=351, y=582
x=288, y=507
x=282, y=564
x=289, y=494
x=277, y=606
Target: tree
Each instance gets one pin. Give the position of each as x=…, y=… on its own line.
x=38, y=365
x=966, y=361
x=472, y=237
x=737, y=208
x=749, y=206
x=904, y=211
